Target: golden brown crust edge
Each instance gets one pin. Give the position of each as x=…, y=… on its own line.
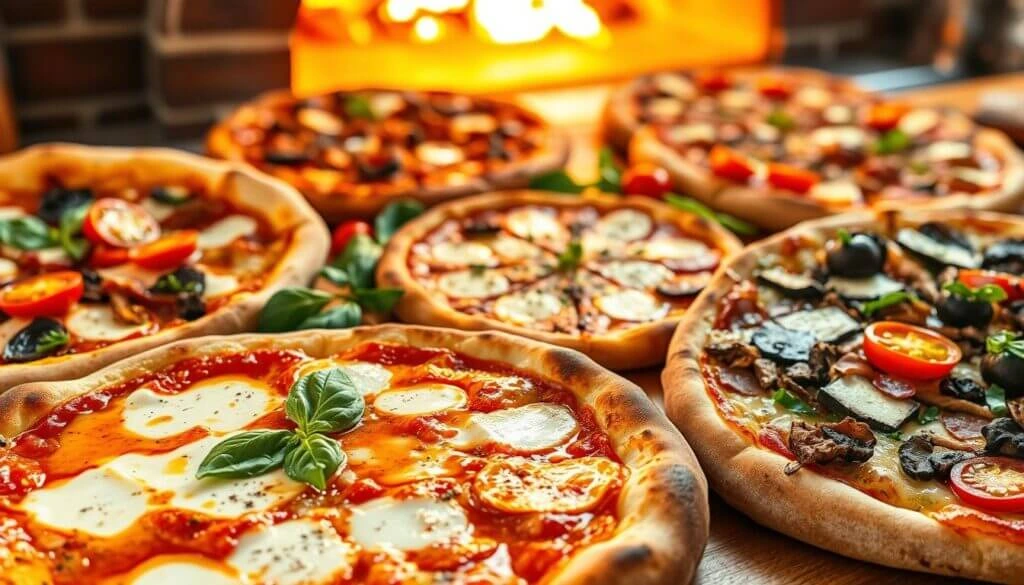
x=258, y=194
x=664, y=515
x=809, y=506
x=335, y=207
x=634, y=348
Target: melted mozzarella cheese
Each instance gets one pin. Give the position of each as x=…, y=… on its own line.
x=8, y=270
x=227, y=230
x=837, y=193
x=736, y=99
x=636, y=273
x=625, y=225
x=673, y=249
x=305, y=552
x=420, y=400
x=218, y=285
x=675, y=85
x=526, y=308
x=918, y=122
x=53, y=257
x=467, y=284
x=816, y=98
x=11, y=212
x=98, y=323
x=850, y=137
x=690, y=133
x=407, y=524
x=535, y=224
x=369, y=378
x=219, y=404
x=512, y=248
x=176, y=569
x=159, y=211
x=524, y=429
x=463, y=254
x=130, y=275
x=947, y=150
x=439, y=154
x=519, y=485
x=101, y=502
x=631, y=305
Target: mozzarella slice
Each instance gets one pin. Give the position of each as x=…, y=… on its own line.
x=625, y=225
x=439, y=154
x=179, y=569
x=218, y=285
x=98, y=323
x=524, y=429
x=918, y=122
x=816, y=98
x=838, y=114
x=8, y=270
x=536, y=224
x=631, y=305
x=468, y=284
x=227, y=230
x=463, y=254
x=838, y=193
x=369, y=378
x=673, y=249
x=519, y=485
x=736, y=99
x=54, y=257
x=850, y=137
x=297, y=552
x=101, y=502
x=636, y=273
x=159, y=211
x=220, y=405
x=420, y=400
x=512, y=248
x=690, y=133
x=864, y=289
x=527, y=308
x=407, y=524
x=947, y=150
x=675, y=85
x=663, y=108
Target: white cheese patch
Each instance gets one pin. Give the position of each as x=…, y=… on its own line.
x=517, y=485
x=463, y=254
x=690, y=133
x=101, y=502
x=160, y=571
x=947, y=150
x=631, y=305
x=468, y=284
x=11, y=212
x=737, y=99
x=420, y=400
x=864, y=289
x=535, y=224
x=369, y=378
x=527, y=308
x=218, y=285
x=663, y=108
x=636, y=273
x=130, y=275
x=839, y=193
x=220, y=405
x=227, y=230
x=918, y=122
x=439, y=154
x=384, y=104
x=53, y=257
x=297, y=552
x=159, y=211
x=675, y=85
x=8, y=270
x=673, y=249
x=816, y=98
x=625, y=225
x=511, y=248
x=98, y=323
x=524, y=429
x=407, y=524
x=849, y=137
x=838, y=114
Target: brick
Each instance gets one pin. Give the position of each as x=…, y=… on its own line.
x=60, y=69
x=197, y=79
x=114, y=9
x=812, y=12
x=231, y=15
x=17, y=13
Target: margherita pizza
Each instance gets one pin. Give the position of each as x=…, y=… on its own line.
x=609, y=276
x=107, y=252
x=858, y=383
x=378, y=455
x=778, y=146
x=352, y=153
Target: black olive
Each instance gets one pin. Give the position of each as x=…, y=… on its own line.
x=783, y=345
x=496, y=147
x=377, y=167
x=287, y=157
x=1005, y=256
x=183, y=280
x=93, y=286
x=964, y=388
x=944, y=234
x=860, y=257
x=915, y=454
x=191, y=307
x=57, y=201
x=681, y=287
x=957, y=311
x=1003, y=436
x=36, y=340
x=1006, y=371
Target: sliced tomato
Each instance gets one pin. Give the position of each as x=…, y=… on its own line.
x=712, y=81
x=993, y=483
x=49, y=294
x=345, y=232
x=729, y=164
x=791, y=177
x=119, y=223
x=975, y=279
x=103, y=256
x=908, y=351
x=775, y=87
x=886, y=115
x=646, y=179
x=168, y=252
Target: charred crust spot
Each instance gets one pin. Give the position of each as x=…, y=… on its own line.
x=681, y=482
x=568, y=365
x=35, y=399
x=630, y=555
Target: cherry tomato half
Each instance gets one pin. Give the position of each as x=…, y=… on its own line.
x=1013, y=285
x=774, y=87
x=346, y=231
x=729, y=164
x=119, y=223
x=712, y=81
x=886, y=115
x=49, y=294
x=646, y=179
x=908, y=351
x=791, y=177
x=993, y=483
x=104, y=256
x=168, y=252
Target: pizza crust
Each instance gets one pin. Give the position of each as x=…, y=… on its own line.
x=280, y=205
x=633, y=348
x=663, y=508
x=335, y=207
x=808, y=506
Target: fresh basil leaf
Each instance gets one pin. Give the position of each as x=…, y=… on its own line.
x=786, y=400
x=377, y=300
x=558, y=181
x=70, y=228
x=928, y=415
x=895, y=435
x=733, y=224
x=609, y=173
x=892, y=142
x=844, y=236
x=736, y=225
x=289, y=307
x=989, y=293
x=314, y=460
x=26, y=233
x=359, y=261
x=340, y=317
x=335, y=275
x=1005, y=342
x=51, y=341
x=325, y=401
x=780, y=120
x=995, y=398
x=571, y=256
x=887, y=300
x=246, y=455
x=394, y=216
x=358, y=106
x=477, y=269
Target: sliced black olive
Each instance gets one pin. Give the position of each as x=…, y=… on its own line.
x=1003, y=436
x=684, y=285
x=957, y=311
x=377, y=167
x=939, y=246
x=963, y=387
x=915, y=458
x=943, y=461
x=1005, y=256
x=171, y=194
x=191, y=307
x=799, y=286
x=40, y=338
x=1005, y=370
x=287, y=157
x=942, y=233
x=861, y=256
x=783, y=345
x=57, y=201
x=185, y=279
x=93, y=283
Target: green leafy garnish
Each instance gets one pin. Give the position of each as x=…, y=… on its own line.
x=394, y=216
x=733, y=224
x=610, y=174
x=26, y=233
x=290, y=307
x=892, y=142
x=1005, y=342
x=51, y=341
x=314, y=460
x=359, y=261
x=570, y=257
x=343, y=316
x=477, y=269
x=246, y=455
x=844, y=236
x=927, y=415
x=895, y=435
x=780, y=120
x=790, y=402
x=69, y=232
x=170, y=284
x=358, y=106
x=887, y=300
x=989, y=293
x=557, y=181
x=995, y=398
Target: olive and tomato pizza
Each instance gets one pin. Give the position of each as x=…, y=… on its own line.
x=858, y=383
x=352, y=153
x=606, y=275
x=778, y=146
x=105, y=252
x=385, y=455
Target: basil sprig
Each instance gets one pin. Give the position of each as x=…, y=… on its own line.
x=52, y=340
x=70, y=230
x=358, y=106
x=891, y=142
x=887, y=300
x=571, y=256
x=323, y=402
x=733, y=224
x=790, y=402
x=394, y=216
x=26, y=233
x=928, y=415
x=989, y=293
x=1005, y=342
x=995, y=399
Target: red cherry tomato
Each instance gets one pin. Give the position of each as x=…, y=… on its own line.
x=729, y=164
x=908, y=351
x=49, y=294
x=1013, y=285
x=119, y=223
x=104, y=256
x=712, y=81
x=886, y=115
x=993, y=483
x=776, y=88
x=345, y=232
x=168, y=252
x=792, y=178
x=646, y=179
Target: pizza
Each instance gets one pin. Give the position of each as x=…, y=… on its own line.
x=778, y=146
x=858, y=383
x=378, y=455
x=107, y=252
x=606, y=275
x=351, y=153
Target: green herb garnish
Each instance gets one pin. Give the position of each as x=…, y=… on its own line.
x=790, y=402
x=570, y=257
x=927, y=415
x=989, y=293
x=358, y=106
x=995, y=398
x=394, y=216
x=1005, y=342
x=733, y=224
x=887, y=300
x=892, y=142
x=780, y=120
